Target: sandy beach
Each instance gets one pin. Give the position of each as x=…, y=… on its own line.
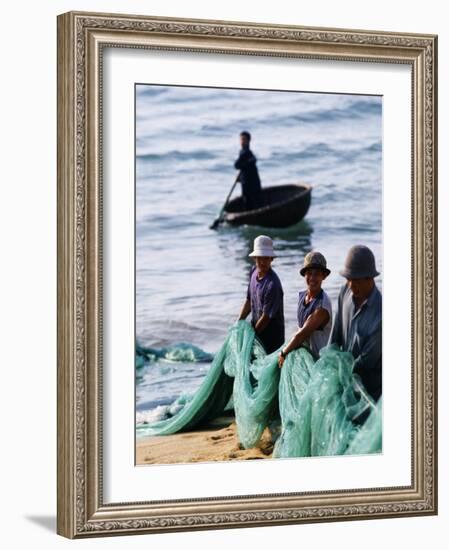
x=218, y=441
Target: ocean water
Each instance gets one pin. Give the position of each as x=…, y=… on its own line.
x=191, y=281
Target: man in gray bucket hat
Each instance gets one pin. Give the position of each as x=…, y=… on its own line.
x=358, y=323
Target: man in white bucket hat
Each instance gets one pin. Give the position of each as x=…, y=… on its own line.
x=265, y=297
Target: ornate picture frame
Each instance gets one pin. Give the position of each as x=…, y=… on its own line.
x=82, y=39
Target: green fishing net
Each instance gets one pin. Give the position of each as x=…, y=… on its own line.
x=318, y=403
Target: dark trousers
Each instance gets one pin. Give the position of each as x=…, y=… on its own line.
x=271, y=339
x=252, y=201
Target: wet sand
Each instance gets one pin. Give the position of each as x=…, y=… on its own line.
x=218, y=441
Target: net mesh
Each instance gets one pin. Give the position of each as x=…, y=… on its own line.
x=319, y=403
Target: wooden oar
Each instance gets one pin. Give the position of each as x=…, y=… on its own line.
x=220, y=218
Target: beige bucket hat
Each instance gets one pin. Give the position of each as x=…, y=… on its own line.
x=314, y=260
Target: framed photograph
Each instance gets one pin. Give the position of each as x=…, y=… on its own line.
x=247, y=274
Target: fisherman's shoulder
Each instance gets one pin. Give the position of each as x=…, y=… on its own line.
x=325, y=298
x=344, y=291
x=274, y=277
x=325, y=302
x=377, y=293
x=301, y=295
x=377, y=298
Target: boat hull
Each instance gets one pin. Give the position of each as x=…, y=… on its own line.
x=284, y=205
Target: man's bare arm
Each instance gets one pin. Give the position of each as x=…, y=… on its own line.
x=246, y=308
x=262, y=323
x=318, y=319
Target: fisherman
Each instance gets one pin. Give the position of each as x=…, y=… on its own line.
x=358, y=323
x=249, y=175
x=265, y=297
x=314, y=309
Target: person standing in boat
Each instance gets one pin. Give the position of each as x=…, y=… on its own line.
x=265, y=297
x=314, y=309
x=249, y=175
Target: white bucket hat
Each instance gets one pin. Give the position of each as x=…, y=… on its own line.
x=263, y=246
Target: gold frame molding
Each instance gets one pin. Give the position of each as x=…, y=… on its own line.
x=82, y=36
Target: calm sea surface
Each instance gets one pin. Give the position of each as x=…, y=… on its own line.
x=191, y=281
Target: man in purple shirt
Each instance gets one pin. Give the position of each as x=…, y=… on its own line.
x=265, y=297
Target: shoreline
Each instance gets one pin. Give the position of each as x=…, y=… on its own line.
x=217, y=441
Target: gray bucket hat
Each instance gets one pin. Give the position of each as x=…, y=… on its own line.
x=314, y=260
x=360, y=263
